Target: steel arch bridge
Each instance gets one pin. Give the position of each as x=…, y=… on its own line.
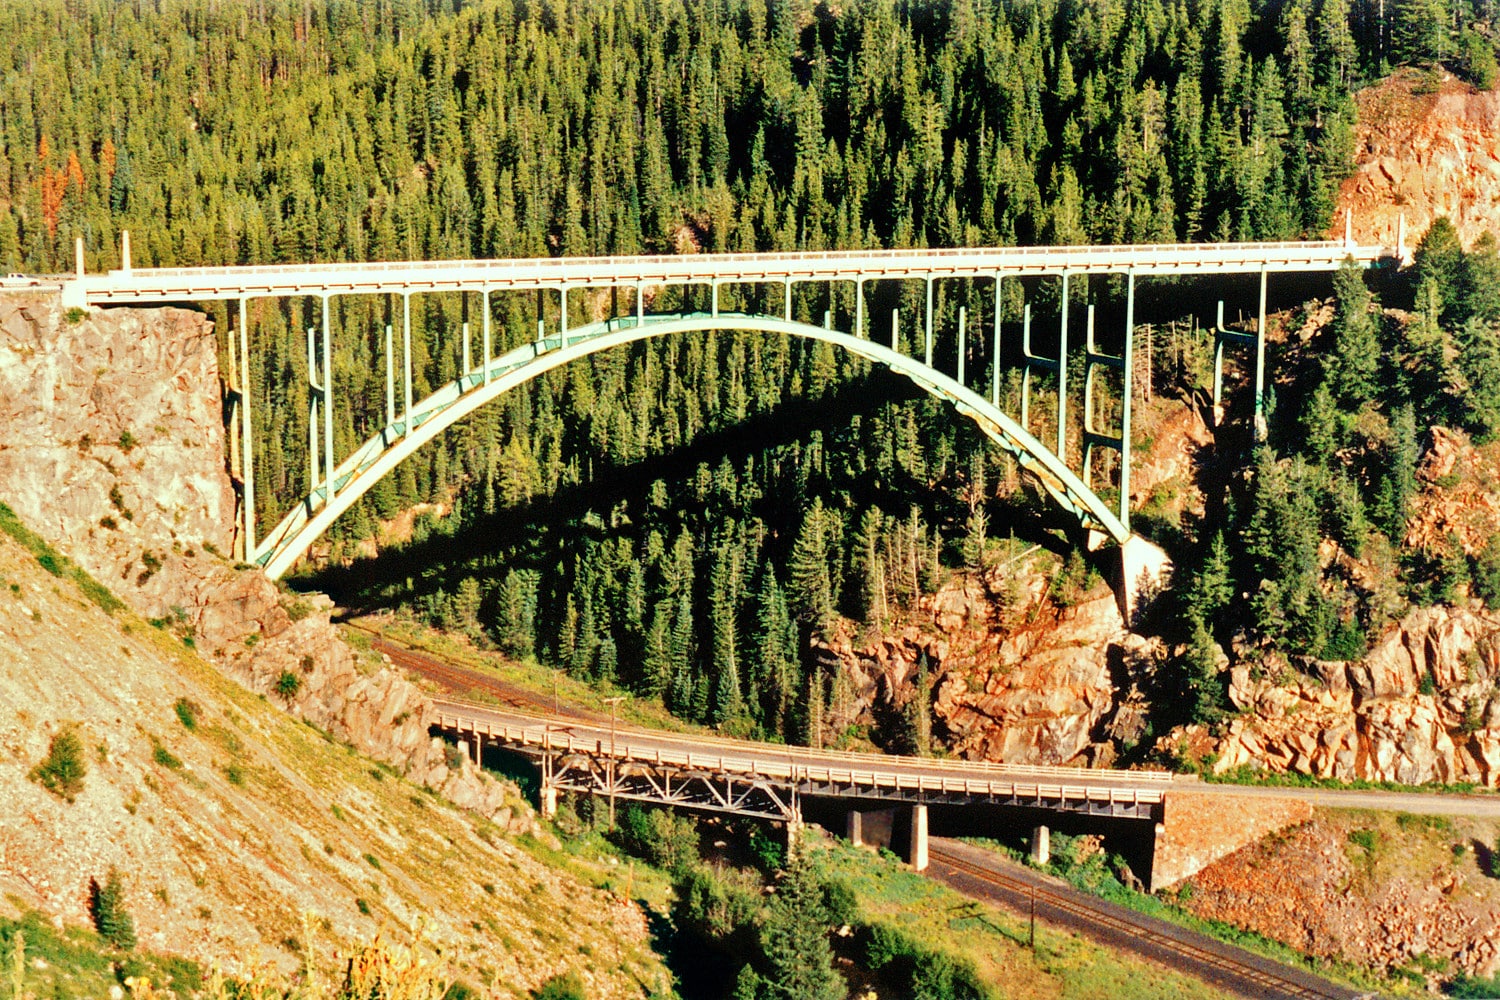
x=338, y=483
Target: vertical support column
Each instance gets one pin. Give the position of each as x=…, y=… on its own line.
x=995, y=351
x=125, y=250
x=549, y=801
x=406, y=355
x=1062, y=376
x=917, y=850
x=312, y=423
x=928, y=352
x=247, y=437
x=1026, y=367
x=486, y=326
x=78, y=256
x=1090, y=354
x=390, y=377
x=963, y=344
x=465, y=369
x=859, y=308
x=854, y=828
x=714, y=298
x=640, y=306
x=895, y=329
x=1128, y=377
x=562, y=321
x=1041, y=845
x=788, y=298
x=1218, y=362
x=329, y=464
x=540, y=328
x=1260, y=362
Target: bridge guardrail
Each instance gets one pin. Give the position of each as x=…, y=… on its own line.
x=1311, y=247
x=791, y=771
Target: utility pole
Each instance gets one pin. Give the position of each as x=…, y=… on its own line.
x=613, y=703
x=1033, y=918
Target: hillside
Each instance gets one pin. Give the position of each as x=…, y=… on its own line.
x=239, y=835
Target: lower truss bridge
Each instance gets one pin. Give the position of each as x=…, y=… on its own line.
x=877, y=792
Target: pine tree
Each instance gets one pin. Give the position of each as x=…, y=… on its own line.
x=794, y=938
x=1352, y=369
x=813, y=724
x=810, y=586
x=107, y=908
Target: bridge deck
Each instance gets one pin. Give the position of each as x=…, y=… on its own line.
x=831, y=773
x=203, y=283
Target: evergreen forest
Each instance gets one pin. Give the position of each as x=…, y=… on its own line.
x=679, y=518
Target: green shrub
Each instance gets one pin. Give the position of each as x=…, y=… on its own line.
x=1473, y=986
x=187, y=713
x=107, y=908
x=127, y=442
x=287, y=685
x=75, y=315
x=164, y=757
x=659, y=837
x=561, y=987
x=62, y=771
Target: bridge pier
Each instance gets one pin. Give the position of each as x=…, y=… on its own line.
x=1041, y=845
x=870, y=827
x=548, y=798
x=916, y=853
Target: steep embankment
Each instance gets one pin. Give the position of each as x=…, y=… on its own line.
x=238, y=836
x=1421, y=156
x=228, y=831
x=1370, y=889
x=112, y=447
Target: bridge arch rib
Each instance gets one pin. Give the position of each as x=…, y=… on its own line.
x=383, y=452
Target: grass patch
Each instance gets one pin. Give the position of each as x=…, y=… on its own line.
x=1246, y=775
x=161, y=755
x=75, y=963
x=56, y=563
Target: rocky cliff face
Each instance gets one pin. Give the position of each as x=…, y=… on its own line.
x=1423, y=706
x=1424, y=156
x=112, y=447
x=1028, y=683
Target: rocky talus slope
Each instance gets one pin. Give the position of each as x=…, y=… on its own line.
x=251, y=837
x=1366, y=889
x=112, y=447
x=247, y=837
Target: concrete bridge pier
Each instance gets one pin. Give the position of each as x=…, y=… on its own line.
x=880, y=828
x=916, y=854
x=1041, y=845
x=548, y=796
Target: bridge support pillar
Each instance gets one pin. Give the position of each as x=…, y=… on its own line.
x=549, y=801
x=870, y=827
x=1144, y=570
x=917, y=850
x=793, y=833
x=1041, y=845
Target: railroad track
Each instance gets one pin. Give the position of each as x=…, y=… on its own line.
x=1220, y=964
x=464, y=679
